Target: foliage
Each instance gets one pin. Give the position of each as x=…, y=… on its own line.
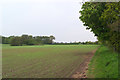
x=6, y=40
x=103, y=20
x=27, y=40
x=16, y=41
x=75, y=43
x=37, y=40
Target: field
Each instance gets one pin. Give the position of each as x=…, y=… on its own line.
x=45, y=61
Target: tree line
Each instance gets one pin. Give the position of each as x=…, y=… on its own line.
x=37, y=40
x=27, y=40
x=74, y=43
x=103, y=19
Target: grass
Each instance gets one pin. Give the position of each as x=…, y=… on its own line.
x=104, y=64
x=48, y=61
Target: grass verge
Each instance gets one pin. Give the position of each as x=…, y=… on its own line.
x=104, y=64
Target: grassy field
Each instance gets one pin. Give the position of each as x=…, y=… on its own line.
x=46, y=61
x=104, y=64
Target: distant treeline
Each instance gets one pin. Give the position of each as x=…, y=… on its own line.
x=27, y=40
x=36, y=40
x=75, y=43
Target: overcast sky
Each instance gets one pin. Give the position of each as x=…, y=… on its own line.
x=59, y=18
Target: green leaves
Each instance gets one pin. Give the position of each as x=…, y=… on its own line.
x=103, y=19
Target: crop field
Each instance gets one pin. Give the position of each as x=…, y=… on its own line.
x=45, y=61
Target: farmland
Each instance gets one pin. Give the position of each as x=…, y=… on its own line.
x=45, y=61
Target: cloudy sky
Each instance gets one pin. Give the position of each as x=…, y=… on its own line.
x=59, y=18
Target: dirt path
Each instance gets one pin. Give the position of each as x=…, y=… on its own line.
x=81, y=72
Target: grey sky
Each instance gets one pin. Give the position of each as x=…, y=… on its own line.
x=58, y=18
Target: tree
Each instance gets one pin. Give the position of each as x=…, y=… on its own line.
x=111, y=19
x=6, y=40
x=24, y=39
x=3, y=40
x=38, y=40
x=30, y=40
x=51, y=39
x=103, y=18
x=16, y=41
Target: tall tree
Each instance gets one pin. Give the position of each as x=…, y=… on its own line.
x=103, y=18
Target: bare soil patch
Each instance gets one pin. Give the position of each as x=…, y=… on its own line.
x=81, y=71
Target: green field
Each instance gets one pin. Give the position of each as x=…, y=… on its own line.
x=46, y=61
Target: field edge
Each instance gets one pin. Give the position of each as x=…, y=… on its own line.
x=104, y=64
